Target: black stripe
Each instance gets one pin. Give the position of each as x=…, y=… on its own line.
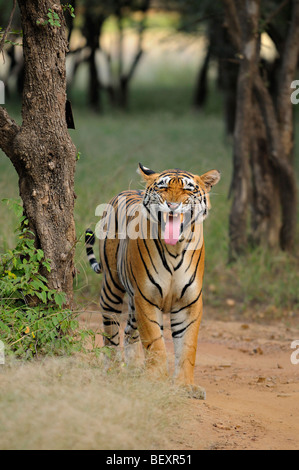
x=182, y=259
x=89, y=241
x=108, y=308
x=112, y=342
x=176, y=333
x=117, y=302
x=171, y=254
x=148, y=273
x=162, y=256
x=119, y=299
x=147, y=249
x=192, y=278
x=146, y=299
x=107, y=265
x=150, y=257
x=188, y=241
x=110, y=322
x=177, y=324
x=193, y=253
x=189, y=305
x=124, y=275
x=89, y=237
x=182, y=331
x=132, y=326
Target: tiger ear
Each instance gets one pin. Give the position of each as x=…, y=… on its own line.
x=146, y=173
x=210, y=178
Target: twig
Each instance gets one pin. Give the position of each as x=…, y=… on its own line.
x=2, y=42
x=275, y=12
x=233, y=23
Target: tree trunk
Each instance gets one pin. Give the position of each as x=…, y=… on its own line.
x=279, y=160
x=41, y=149
x=123, y=93
x=265, y=213
x=93, y=26
x=288, y=187
x=201, y=86
x=241, y=176
x=273, y=200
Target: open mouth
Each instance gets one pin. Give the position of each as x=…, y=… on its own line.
x=173, y=227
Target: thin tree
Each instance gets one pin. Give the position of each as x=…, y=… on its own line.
x=41, y=149
x=119, y=74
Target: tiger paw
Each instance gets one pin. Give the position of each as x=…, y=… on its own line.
x=195, y=391
x=134, y=355
x=113, y=359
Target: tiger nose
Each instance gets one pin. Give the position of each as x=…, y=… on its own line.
x=173, y=205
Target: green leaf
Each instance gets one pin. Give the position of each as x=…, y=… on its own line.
x=4, y=327
x=37, y=284
x=42, y=296
x=47, y=265
x=60, y=298
x=39, y=254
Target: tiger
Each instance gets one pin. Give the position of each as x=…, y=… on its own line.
x=159, y=264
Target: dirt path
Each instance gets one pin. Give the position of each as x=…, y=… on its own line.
x=252, y=389
x=251, y=384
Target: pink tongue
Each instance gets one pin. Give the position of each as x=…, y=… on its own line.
x=172, y=230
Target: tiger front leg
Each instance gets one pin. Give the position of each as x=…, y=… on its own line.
x=149, y=322
x=185, y=326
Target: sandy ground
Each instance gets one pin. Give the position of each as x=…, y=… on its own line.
x=252, y=389
x=251, y=384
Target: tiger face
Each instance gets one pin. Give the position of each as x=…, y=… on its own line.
x=175, y=199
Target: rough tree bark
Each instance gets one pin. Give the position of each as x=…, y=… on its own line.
x=268, y=184
x=265, y=216
x=246, y=27
x=41, y=149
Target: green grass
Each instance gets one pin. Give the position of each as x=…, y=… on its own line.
x=161, y=131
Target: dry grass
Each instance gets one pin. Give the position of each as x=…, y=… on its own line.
x=70, y=403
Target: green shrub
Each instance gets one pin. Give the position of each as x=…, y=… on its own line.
x=32, y=319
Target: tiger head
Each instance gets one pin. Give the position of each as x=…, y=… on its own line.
x=175, y=199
